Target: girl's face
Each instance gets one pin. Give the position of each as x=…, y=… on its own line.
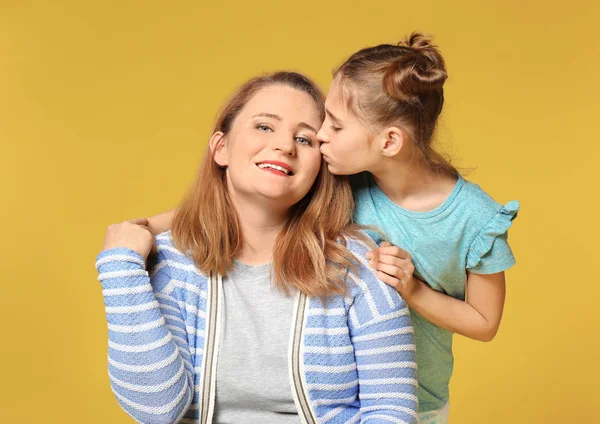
x=272, y=153
x=347, y=144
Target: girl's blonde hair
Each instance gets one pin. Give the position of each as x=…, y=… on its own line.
x=399, y=84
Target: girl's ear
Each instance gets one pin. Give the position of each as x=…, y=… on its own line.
x=392, y=140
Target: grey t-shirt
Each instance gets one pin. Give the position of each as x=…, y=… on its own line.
x=253, y=383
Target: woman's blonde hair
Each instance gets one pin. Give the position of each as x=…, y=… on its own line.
x=310, y=253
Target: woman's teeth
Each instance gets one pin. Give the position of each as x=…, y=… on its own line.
x=279, y=168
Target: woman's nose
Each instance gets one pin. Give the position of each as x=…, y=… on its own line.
x=285, y=144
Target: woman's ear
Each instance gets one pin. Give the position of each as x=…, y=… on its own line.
x=218, y=147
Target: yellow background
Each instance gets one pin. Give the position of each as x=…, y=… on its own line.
x=105, y=111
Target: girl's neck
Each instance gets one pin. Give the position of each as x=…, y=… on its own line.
x=410, y=183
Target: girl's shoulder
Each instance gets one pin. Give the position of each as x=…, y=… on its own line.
x=478, y=202
x=475, y=196
x=489, y=222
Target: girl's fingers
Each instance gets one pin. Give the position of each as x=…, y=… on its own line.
x=391, y=270
x=389, y=254
x=139, y=221
x=394, y=251
x=373, y=255
x=388, y=279
x=392, y=260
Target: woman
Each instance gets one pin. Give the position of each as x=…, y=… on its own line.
x=207, y=337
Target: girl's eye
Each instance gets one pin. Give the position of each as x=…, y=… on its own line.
x=303, y=140
x=336, y=129
x=263, y=128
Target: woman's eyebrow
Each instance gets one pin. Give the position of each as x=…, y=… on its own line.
x=279, y=118
x=308, y=127
x=268, y=115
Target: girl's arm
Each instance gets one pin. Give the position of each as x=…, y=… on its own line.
x=477, y=318
x=160, y=223
x=149, y=365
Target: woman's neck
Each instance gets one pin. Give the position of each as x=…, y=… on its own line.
x=260, y=227
x=410, y=183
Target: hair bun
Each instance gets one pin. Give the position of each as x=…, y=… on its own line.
x=419, y=69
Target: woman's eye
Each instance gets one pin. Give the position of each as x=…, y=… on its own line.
x=303, y=140
x=336, y=129
x=263, y=128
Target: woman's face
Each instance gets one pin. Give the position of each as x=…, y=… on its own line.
x=271, y=152
x=346, y=143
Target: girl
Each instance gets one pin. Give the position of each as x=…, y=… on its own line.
x=381, y=112
x=207, y=336
x=382, y=109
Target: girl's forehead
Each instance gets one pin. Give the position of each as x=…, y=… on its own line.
x=337, y=99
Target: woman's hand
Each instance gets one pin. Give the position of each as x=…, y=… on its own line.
x=394, y=267
x=133, y=234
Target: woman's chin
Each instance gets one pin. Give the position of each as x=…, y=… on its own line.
x=273, y=198
x=280, y=197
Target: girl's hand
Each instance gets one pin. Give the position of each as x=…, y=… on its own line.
x=133, y=234
x=394, y=267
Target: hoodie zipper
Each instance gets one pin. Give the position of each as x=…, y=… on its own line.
x=298, y=384
x=211, y=346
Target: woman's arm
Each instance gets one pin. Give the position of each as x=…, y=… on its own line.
x=477, y=318
x=150, y=371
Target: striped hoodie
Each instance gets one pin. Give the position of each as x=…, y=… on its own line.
x=351, y=358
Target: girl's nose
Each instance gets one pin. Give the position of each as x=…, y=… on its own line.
x=322, y=136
